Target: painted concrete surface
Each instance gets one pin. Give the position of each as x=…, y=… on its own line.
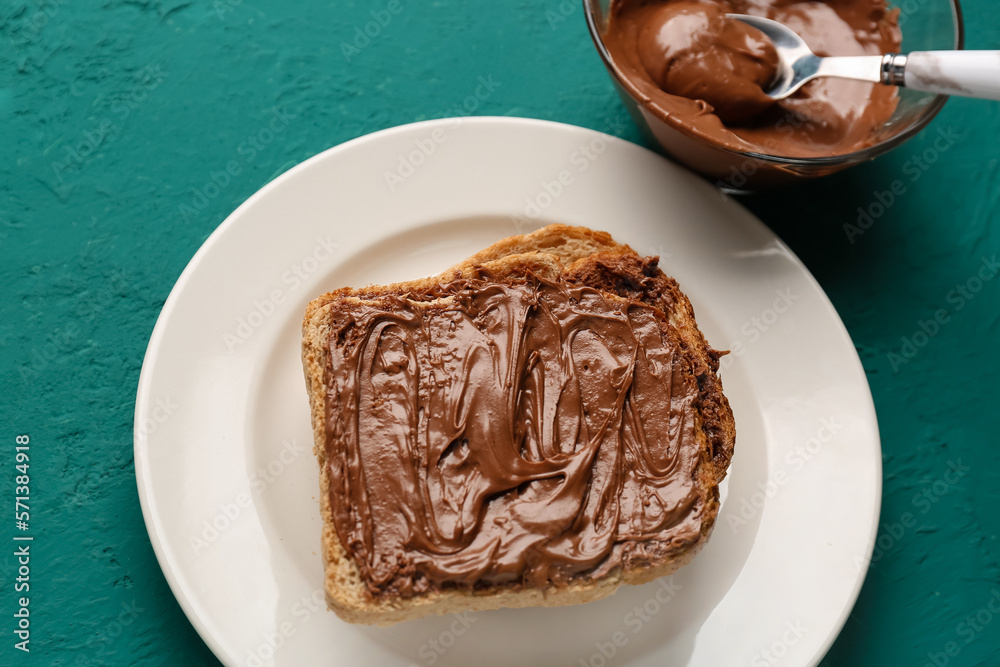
x=118, y=119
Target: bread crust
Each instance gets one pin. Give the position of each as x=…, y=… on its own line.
x=579, y=255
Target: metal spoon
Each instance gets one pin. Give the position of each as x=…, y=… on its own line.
x=966, y=73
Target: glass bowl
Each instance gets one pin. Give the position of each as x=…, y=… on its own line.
x=926, y=25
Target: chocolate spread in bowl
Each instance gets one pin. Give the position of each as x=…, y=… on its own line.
x=689, y=65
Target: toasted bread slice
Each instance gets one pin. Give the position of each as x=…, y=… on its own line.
x=364, y=588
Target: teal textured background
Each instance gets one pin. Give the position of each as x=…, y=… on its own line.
x=115, y=115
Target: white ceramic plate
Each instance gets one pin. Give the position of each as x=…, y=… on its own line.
x=229, y=484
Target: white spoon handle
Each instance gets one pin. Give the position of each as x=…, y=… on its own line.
x=965, y=73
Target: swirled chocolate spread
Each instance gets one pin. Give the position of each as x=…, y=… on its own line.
x=686, y=62
x=520, y=433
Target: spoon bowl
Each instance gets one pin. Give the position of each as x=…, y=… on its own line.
x=798, y=65
x=966, y=73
